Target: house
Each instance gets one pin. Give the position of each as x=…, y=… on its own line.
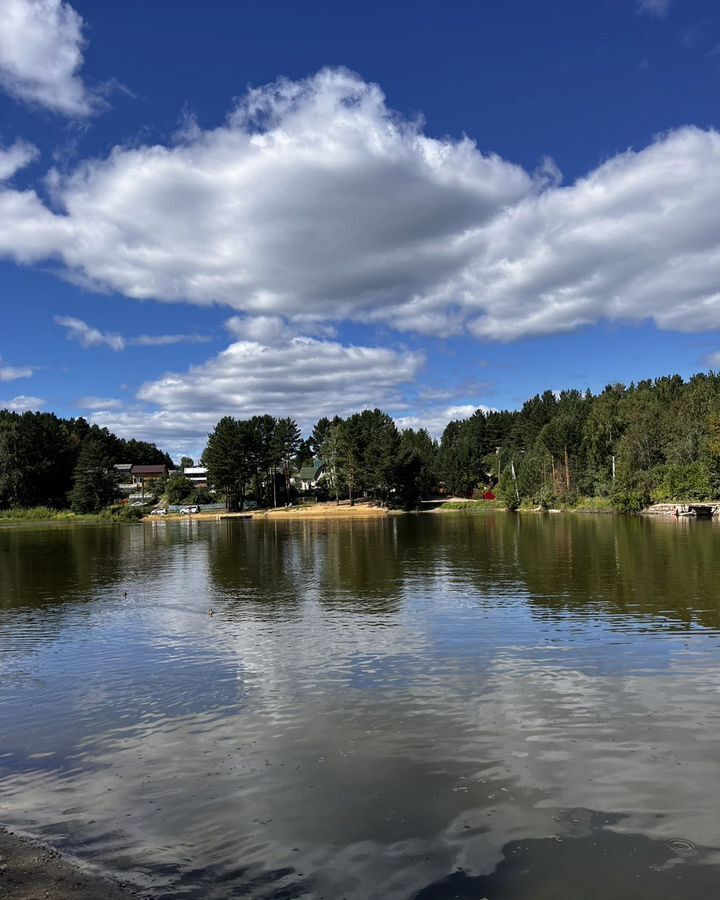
x=144, y=476
x=310, y=477
x=197, y=474
x=123, y=476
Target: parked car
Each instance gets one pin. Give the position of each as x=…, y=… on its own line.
x=189, y=510
x=159, y=512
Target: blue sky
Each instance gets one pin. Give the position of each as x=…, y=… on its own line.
x=311, y=208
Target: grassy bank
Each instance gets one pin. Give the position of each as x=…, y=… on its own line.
x=492, y=505
x=43, y=514
x=40, y=514
x=584, y=505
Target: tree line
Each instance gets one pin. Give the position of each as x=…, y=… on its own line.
x=59, y=463
x=364, y=455
x=653, y=440
x=648, y=441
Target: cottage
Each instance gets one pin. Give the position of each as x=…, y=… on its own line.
x=145, y=476
x=197, y=474
x=310, y=477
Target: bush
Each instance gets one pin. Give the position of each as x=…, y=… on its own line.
x=179, y=489
x=629, y=501
x=201, y=496
x=121, y=512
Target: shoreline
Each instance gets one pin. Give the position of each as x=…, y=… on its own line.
x=362, y=510
x=30, y=869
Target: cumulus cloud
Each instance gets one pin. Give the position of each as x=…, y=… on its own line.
x=23, y=404
x=41, y=53
x=314, y=198
x=16, y=157
x=315, y=202
x=89, y=336
x=657, y=8
x=434, y=419
x=305, y=378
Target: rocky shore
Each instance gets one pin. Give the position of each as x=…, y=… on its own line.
x=31, y=871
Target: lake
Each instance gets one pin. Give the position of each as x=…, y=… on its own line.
x=427, y=706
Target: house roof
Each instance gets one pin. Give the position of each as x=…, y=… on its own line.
x=149, y=470
x=310, y=473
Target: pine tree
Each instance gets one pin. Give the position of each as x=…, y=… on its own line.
x=221, y=457
x=94, y=484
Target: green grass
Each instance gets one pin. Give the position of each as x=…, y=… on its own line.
x=40, y=514
x=47, y=514
x=472, y=504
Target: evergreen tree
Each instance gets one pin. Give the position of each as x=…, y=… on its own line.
x=224, y=459
x=94, y=483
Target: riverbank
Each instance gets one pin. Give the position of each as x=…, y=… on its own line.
x=43, y=514
x=30, y=871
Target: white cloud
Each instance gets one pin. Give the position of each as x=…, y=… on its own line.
x=275, y=329
x=23, y=404
x=41, y=52
x=434, y=419
x=315, y=203
x=305, y=378
x=658, y=8
x=99, y=403
x=164, y=340
x=13, y=373
x=712, y=360
x=312, y=199
x=16, y=157
x=89, y=336
x=85, y=334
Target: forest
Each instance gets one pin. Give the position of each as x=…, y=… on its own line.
x=63, y=463
x=632, y=445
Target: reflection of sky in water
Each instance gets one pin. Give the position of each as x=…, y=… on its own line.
x=371, y=709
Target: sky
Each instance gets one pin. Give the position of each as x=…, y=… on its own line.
x=234, y=208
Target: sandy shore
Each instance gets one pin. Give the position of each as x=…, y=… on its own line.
x=325, y=511
x=32, y=871
x=311, y=511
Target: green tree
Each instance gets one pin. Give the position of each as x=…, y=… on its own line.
x=330, y=451
x=179, y=489
x=229, y=460
x=286, y=442
x=94, y=483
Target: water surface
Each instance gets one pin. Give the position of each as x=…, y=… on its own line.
x=434, y=706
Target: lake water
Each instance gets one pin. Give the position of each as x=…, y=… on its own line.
x=430, y=707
